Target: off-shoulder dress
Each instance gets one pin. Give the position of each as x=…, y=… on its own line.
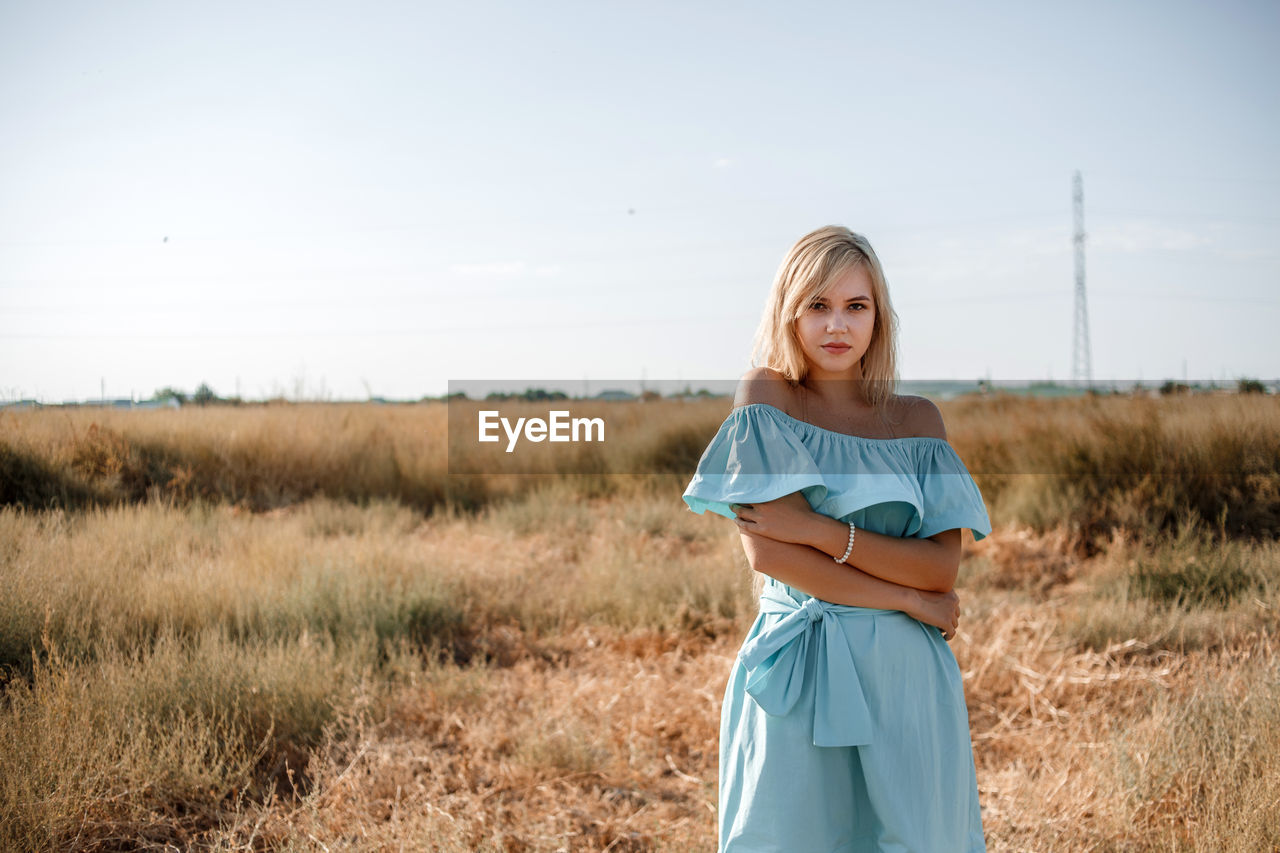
x=842, y=728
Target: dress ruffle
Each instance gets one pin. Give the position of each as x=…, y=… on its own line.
x=761, y=453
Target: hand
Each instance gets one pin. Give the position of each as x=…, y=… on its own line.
x=785, y=519
x=941, y=609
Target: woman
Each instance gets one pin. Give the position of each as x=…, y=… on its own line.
x=843, y=726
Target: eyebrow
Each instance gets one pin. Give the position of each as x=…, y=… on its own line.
x=854, y=299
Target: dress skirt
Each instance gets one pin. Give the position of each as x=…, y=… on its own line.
x=844, y=729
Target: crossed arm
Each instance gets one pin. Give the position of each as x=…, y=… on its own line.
x=787, y=540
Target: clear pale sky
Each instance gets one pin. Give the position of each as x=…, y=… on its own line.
x=334, y=199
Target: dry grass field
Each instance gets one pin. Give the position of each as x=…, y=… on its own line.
x=285, y=628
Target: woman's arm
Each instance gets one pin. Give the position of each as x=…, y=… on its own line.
x=929, y=564
x=811, y=572
x=926, y=564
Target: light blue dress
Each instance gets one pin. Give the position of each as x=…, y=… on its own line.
x=842, y=728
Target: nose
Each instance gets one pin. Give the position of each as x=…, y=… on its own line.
x=837, y=321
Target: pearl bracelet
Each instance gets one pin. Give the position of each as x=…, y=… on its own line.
x=849, y=550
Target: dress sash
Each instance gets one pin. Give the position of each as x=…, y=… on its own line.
x=777, y=657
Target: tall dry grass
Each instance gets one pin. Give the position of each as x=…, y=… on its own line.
x=543, y=670
x=136, y=633
x=1146, y=465
x=1094, y=464
x=267, y=456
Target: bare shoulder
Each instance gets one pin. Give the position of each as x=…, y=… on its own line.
x=920, y=417
x=764, y=385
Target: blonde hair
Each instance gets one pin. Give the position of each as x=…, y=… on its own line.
x=811, y=266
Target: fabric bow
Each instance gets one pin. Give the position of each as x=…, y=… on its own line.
x=776, y=658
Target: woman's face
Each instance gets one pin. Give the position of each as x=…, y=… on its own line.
x=835, y=329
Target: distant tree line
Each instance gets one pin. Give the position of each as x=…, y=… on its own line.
x=1243, y=386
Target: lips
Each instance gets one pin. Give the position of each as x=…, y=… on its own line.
x=836, y=349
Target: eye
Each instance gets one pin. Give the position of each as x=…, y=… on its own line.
x=817, y=306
